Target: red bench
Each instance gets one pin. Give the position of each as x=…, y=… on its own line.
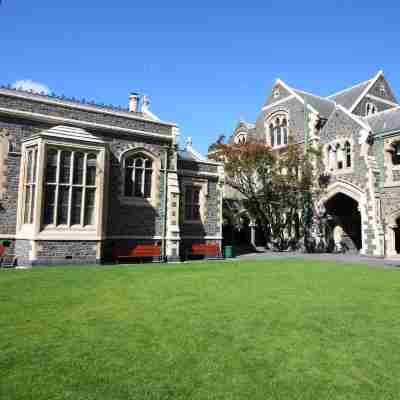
x=142, y=251
x=211, y=250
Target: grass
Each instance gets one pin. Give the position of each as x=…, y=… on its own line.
x=285, y=329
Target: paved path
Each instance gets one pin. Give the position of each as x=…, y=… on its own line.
x=340, y=258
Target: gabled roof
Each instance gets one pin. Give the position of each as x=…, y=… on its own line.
x=350, y=97
x=322, y=105
x=385, y=120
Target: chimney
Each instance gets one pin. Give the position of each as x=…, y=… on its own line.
x=134, y=100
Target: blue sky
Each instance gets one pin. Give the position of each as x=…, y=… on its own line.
x=204, y=64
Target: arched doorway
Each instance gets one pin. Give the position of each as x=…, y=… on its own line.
x=344, y=223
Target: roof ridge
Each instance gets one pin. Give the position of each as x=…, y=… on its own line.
x=315, y=95
x=71, y=99
x=350, y=88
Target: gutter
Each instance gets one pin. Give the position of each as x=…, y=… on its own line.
x=164, y=230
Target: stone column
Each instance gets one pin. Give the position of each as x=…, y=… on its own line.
x=252, y=226
x=173, y=199
x=391, y=241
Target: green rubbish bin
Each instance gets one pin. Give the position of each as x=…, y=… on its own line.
x=228, y=251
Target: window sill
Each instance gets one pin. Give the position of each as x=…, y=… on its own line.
x=137, y=201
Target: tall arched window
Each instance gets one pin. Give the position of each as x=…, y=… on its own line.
x=339, y=156
x=285, y=131
x=271, y=135
x=278, y=131
x=138, y=176
x=347, y=154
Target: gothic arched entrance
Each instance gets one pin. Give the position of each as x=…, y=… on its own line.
x=344, y=223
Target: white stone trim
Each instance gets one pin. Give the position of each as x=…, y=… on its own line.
x=188, y=172
x=347, y=89
x=366, y=90
x=83, y=124
x=154, y=199
x=202, y=237
x=381, y=100
x=78, y=106
x=297, y=96
x=390, y=167
x=69, y=132
x=290, y=97
x=354, y=117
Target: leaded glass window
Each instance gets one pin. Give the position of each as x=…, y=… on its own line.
x=138, y=176
x=192, y=203
x=30, y=184
x=70, y=182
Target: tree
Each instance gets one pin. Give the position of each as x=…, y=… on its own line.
x=278, y=187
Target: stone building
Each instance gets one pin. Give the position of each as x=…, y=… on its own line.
x=79, y=179
x=358, y=130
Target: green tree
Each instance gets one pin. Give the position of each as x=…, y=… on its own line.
x=279, y=188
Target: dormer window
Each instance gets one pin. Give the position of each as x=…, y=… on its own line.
x=278, y=131
x=370, y=108
x=276, y=93
x=382, y=89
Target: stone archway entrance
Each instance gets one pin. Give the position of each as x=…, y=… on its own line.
x=344, y=223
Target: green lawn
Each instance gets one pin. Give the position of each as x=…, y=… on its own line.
x=240, y=330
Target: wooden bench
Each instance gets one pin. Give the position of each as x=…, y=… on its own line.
x=141, y=251
x=211, y=250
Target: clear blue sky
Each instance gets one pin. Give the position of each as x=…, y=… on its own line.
x=203, y=64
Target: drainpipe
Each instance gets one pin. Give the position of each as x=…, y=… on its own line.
x=164, y=231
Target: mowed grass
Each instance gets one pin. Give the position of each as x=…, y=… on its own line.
x=229, y=330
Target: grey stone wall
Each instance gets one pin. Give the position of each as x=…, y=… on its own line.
x=65, y=252
x=295, y=110
x=132, y=219
x=339, y=126
x=360, y=109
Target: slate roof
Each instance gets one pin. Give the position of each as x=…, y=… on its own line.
x=186, y=155
x=385, y=120
x=348, y=97
x=322, y=105
x=76, y=103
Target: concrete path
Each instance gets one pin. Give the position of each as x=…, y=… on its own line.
x=340, y=258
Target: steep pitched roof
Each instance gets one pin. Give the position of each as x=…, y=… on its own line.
x=322, y=105
x=350, y=97
x=385, y=120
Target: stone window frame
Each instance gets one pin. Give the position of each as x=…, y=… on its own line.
x=71, y=185
x=271, y=129
x=154, y=198
x=202, y=184
x=38, y=230
x=331, y=156
x=370, y=108
x=240, y=138
x=30, y=174
x=382, y=89
x=389, y=147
